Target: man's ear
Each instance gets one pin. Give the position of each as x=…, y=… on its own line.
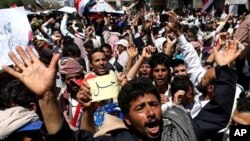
x=127, y=120
x=210, y=88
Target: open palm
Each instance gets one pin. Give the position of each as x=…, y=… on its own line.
x=35, y=75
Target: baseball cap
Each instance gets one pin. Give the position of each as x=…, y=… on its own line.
x=122, y=42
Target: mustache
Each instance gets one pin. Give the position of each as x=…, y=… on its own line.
x=152, y=122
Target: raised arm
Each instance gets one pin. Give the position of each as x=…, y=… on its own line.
x=216, y=114
x=63, y=27
x=41, y=80
x=146, y=54
x=132, y=53
x=191, y=58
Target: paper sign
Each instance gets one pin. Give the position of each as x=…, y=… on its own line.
x=14, y=30
x=104, y=87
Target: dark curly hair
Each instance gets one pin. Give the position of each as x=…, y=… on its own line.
x=158, y=59
x=243, y=102
x=71, y=50
x=180, y=83
x=133, y=89
x=15, y=92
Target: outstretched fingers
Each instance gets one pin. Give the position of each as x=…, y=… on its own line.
x=18, y=63
x=54, y=61
x=23, y=55
x=12, y=72
x=32, y=55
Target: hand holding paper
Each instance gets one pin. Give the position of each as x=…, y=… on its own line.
x=104, y=87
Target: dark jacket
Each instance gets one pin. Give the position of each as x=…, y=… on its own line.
x=217, y=113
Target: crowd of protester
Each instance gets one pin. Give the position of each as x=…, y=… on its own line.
x=184, y=75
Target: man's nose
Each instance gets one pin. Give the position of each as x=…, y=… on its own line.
x=150, y=112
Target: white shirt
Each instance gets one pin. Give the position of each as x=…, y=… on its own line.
x=123, y=59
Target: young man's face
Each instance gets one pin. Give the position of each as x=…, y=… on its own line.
x=108, y=52
x=180, y=70
x=144, y=116
x=144, y=70
x=160, y=75
x=99, y=63
x=121, y=48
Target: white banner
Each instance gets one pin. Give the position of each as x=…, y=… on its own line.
x=14, y=30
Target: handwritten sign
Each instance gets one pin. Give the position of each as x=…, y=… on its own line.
x=104, y=87
x=14, y=30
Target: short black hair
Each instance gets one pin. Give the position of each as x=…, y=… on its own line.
x=89, y=44
x=243, y=102
x=180, y=83
x=94, y=51
x=71, y=50
x=133, y=89
x=108, y=46
x=158, y=59
x=15, y=92
x=46, y=54
x=177, y=62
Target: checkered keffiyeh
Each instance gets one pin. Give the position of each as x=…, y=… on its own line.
x=69, y=65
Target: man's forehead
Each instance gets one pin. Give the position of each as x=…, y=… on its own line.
x=98, y=55
x=146, y=97
x=160, y=66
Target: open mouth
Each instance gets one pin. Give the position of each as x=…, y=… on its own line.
x=144, y=74
x=102, y=69
x=160, y=81
x=153, y=128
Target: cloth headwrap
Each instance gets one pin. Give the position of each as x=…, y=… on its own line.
x=14, y=118
x=69, y=65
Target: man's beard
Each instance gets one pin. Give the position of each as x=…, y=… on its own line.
x=201, y=89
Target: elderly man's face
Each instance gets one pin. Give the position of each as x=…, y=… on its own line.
x=144, y=117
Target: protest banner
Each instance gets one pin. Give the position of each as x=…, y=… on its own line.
x=104, y=87
x=14, y=30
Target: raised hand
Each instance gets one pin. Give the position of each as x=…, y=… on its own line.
x=84, y=95
x=169, y=48
x=173, y=24
x=227, y=54
x=164, y=98
x=132, y=51
x=122, y=79
x=178, y=96
x=221, y=39
x=148, y=51
x=34, y=74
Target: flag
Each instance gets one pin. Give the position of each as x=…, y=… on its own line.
x=83, y=6
x=38, y=3
x=207, y=5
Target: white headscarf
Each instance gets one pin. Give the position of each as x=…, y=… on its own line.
x=13, y=118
